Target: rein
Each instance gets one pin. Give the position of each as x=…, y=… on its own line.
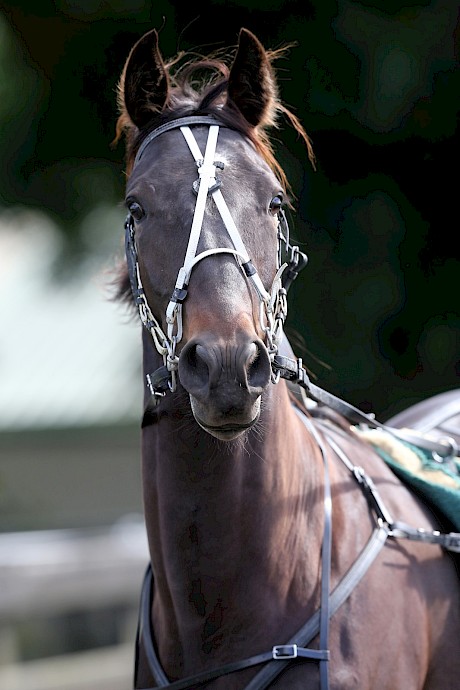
x=293, y=371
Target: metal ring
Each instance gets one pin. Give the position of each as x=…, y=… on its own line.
x=451, y=444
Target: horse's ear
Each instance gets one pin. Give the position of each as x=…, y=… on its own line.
x=144, y=82
x=251, y=84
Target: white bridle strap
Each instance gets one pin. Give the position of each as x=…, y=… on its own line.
x=207, y=173
x=238, y=242
x=218, y=250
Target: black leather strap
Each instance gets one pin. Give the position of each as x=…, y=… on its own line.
x=340, y=594
x=174, y=124
x=279, y=652
x=275, y=664
x=145, y=631
x=292, y=370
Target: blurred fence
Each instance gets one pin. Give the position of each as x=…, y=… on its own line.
x=54, y=586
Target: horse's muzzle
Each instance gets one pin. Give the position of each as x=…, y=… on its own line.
x=225, y=382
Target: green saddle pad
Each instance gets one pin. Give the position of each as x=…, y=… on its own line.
x=437, y=484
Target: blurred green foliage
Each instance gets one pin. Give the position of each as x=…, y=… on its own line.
x=376, y=85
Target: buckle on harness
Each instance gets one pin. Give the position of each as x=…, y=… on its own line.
x=158, y=383
x=284, y=651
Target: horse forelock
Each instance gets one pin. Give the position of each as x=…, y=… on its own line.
x=198, y=86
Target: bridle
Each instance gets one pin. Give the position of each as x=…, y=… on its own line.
x=272, y=305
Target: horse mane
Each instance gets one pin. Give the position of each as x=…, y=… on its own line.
x=198, y=86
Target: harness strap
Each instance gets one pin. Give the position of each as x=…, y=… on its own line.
x=145, y=632
x=281, y=652
x=292, y=370
x=277, y=659
x=397, y=529
x=338, y=596
x=326, y=551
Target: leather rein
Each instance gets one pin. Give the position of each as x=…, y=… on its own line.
x=273, y=310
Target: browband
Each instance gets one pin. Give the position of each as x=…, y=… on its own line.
x=174, y=124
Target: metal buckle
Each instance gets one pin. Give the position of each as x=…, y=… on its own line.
x=284, y=651
x=155, y=390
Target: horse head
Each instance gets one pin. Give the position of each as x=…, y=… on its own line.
x=205, y=201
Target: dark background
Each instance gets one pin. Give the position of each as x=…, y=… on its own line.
x=376, y=313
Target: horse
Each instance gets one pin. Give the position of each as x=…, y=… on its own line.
x=284, y=552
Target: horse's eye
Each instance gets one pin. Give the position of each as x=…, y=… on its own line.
x=276, y=204
x=135, y=209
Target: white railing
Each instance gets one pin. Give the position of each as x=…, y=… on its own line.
x=52, y=573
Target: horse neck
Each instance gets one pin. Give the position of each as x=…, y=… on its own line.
x=271, y=472
x=231, y=527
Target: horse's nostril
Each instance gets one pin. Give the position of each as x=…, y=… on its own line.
x=195, y=359
x=258, y=368
x=205, y=366
x=200, y=362
x=253, y=369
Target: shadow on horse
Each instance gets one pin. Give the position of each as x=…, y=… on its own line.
x=282, y=548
